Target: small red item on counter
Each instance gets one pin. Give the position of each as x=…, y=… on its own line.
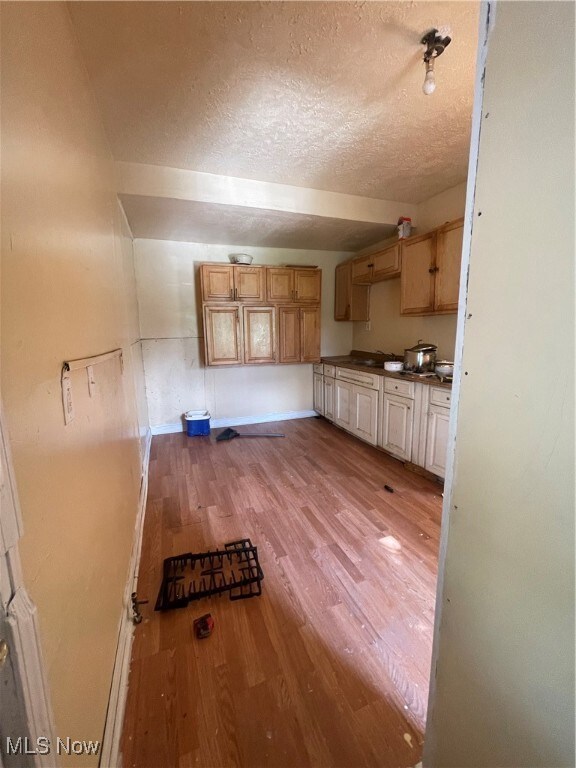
x=203, y=626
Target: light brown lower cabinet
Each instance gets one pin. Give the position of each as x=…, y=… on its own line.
x=236, y=335
x=255, y=335
x=289, y=334
x=259, y=331
x=223, y=335
x=298, y=334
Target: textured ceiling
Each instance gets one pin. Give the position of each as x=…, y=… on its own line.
x=314, y=94
x=166, y=219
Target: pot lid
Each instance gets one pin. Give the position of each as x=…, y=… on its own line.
x=423, y=347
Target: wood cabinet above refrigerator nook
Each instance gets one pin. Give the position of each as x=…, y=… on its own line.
x=260, y=315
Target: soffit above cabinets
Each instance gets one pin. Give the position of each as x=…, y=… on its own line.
x=317, y=95
x=190, y=221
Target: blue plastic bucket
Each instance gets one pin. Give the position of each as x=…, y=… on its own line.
x=197, y=423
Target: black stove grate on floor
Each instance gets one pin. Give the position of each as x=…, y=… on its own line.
x=192, y=576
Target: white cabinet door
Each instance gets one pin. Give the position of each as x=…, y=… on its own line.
x=397, y=421
x=329, y=398
x=318, y=393
x=437, y=439
x=364, y=416
x=343, y=404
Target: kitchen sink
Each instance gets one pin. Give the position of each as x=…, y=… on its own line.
x=368, y=362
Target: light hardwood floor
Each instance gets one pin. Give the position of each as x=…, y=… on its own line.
x=330, y=666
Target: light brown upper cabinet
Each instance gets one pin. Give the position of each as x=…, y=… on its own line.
x=351, y=302
x=279, y=284
x=448, y=260
x=417, y=278
x=342, y=291
x=299, y=334
x=386, y=263
x=431, y=271
x=381, y=265
x=232, y=282
x=308, y=285
x=289, y=284
x=362, y=270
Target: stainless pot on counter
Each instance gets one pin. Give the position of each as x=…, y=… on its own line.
x=421, y=358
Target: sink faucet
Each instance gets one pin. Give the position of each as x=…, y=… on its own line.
x=389, y=355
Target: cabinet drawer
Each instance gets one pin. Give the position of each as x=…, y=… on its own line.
x=371, y=380
x=329, y=370
x=399, y=387
x=440, y=396
x=318, y=368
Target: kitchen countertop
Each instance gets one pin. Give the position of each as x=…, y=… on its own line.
x=346, y=361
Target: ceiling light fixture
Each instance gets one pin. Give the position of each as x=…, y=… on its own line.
x=435, y=43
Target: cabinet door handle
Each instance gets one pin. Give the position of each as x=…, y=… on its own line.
x=296, y=294
x=434, y=269
x=231, y=294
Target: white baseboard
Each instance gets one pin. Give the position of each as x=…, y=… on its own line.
x=236, y=421
x=167, y=429
x=110, y=753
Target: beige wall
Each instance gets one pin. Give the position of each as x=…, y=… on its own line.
x=68, y=291
x=176, y=380
x=392, y=332
x=504, y=650
x=446, y=206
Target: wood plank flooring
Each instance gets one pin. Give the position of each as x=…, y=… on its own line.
x=330, y=666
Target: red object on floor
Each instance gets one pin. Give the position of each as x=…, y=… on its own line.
x=203, y=626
